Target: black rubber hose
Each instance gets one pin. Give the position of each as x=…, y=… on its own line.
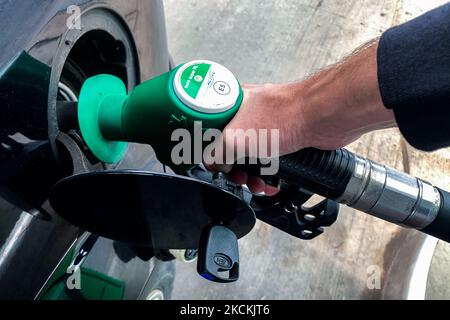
x=67, y=113
x=440, y=227
x=325, y=173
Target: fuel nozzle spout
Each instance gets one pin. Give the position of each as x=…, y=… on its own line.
x=67, y=113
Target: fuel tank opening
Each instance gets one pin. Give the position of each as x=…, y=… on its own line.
x=96, y=52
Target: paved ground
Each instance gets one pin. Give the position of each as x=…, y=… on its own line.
x=285, y=40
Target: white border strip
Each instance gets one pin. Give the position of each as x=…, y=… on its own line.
x=418, y=283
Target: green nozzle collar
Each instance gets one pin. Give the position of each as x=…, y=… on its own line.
x=101, y=99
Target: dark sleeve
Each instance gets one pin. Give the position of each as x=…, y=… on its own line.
x=414, y=78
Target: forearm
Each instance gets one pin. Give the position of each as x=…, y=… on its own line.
x=327, y=111
x=403, y=80
x=399, y=80
x=343, y=102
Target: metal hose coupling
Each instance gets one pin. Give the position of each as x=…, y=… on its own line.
x=391, y=195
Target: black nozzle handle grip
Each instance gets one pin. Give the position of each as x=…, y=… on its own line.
x=325, y=173
x=440, y=227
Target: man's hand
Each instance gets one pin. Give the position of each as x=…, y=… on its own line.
x=327, y=111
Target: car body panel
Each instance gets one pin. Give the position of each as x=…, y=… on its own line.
x=33, y=239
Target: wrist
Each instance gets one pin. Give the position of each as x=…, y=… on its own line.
x=344, y=102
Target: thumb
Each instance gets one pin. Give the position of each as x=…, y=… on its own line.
x=217, y=161
x=231, y=145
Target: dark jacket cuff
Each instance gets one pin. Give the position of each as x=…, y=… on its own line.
x=414, y=78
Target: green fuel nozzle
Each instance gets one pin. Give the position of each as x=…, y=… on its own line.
x=207, y=92
x=198, y=91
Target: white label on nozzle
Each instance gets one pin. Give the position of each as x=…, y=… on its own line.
x=206, y=86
